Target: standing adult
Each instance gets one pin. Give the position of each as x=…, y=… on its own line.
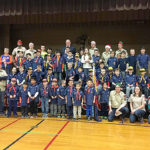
x=3, y=82
x=106, y=54
x=68, y=44
x=93, y=48
x=31, y=50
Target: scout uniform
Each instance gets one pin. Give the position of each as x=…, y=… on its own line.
x=69, y=73
x=89, y=93
x=96, y=61
x=49, y=77
x=142, y=61
x=105, y=57
x=78, y=100
x=116, y=79
x=132, y=62
x=77, y=64
x=61, y=102
x=21, y=76
x=29, y=76
x=12, y=90
x=39, y=76
x=20, y=61
x=28, y=64
x=112, y=62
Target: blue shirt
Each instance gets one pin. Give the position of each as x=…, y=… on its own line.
x=62, y=92
x=78, y=97
x=104, y=95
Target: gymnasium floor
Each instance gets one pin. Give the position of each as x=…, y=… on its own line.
x=58, y=134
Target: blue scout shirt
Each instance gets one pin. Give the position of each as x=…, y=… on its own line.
x=33, y=90
x=62, y=92
x=28, y=63
x=24, y=96
x=130, y=79
x=89, y=93
x=44, y=92
x=69, y=94
x=103, y=79
x=21, y=77
x=77, y=64
x=96, y=61
x=104, y=95
x=122, y=64
x=142, y=61
x=117, y=79
x=37, y=61
x=39, y=76
x=143, y=81
x=78, y=97
x=132, y=61
x=60, y=64
x=112, y=62
x=70, y=73
x=53, y=92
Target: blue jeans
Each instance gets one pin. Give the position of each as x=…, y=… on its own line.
x=69, y=110
x=12, y=104
x=128, y=89
x=45, y=105
x=137, y=114
x=89, y=110
x=2, y=94
x=124, y=111
x=86, y=72
x=58, y=75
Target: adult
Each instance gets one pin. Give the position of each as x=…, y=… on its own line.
x=3, y=82
x=137, y=105
x=19, y=48
x=106, y=54
x=121, y=49
x=117, y=104
x=31, y=50
x=68, y=44
x=93, y=48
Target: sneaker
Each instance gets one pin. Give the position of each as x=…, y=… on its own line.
x=46, y=116
x=74, y=119
x=63, y=117
x=87, y=118
x=91, y=118
x=105, y=117
x=7, y=116
x=31, y=117
x=141, y=120
x=59, y=116
x=15, y=116
x=68, y=117
x=22, y=116
x=79, y=119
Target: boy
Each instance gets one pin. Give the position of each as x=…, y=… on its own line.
x=143, y=82
x=77, y=101
x=43, y=52
x=117, y=78
x=20, y=60
x=112, y=61
x=104, y=100
x=21, y=76
x=81, y=76
x=44, y=94
x=12, y=75
x=70, y=73
x=38, y=60
x=122, y=63
x=70, y=58
x=53, y=95
x=65, y=55
x=12, y=95
x=69, y=96
x=24, y=99
x=77, y=63
x=33, y=93
x=130, y=81
x=6, y=60
x=61, y=93
x=48, y=62
x=96, y=59
x=132, y=60
x=28, y=63
x=58, y=67
x=110, y=75
x=49, y=76
x=29, y=75
x=89, y=99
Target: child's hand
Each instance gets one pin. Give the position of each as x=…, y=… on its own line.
x=11, y=96
x=49, y=100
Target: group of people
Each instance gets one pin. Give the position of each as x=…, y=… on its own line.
x=107, y=85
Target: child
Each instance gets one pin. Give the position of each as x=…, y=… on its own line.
x=29, y=75
x=12, y=75
x=43, y=52
x=12, y=95
x=39, y=74
x=143, y=82
x=20, y=60
x=117, y=78
x=132, y=60
x=48, y=62
x=21, y=76
x=77, y=63
x=89, y=98
x=53, y=95
x=38, y=60
x=65, y=55
x=122, y=63
x=70, y=73
x=33, y=93
x=143, y=59
x=110, y=75
x=49, y=76
x=104, y=99
x=61, y=93
x=6, y=60
x=96, y=58
x=49, y=52
x=69, y=96
x=70, y=58
x=130, y=81
x=44, y=94
x=58, y=67
x=87, y=62
x=28, y=63
x=112, y=61
x=77, y=101
x=24, y=99
x=81, y=76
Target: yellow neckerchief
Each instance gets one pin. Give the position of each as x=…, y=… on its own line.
x=48, y=77
x=142, y=78
x=102, y=79
x=75, y=66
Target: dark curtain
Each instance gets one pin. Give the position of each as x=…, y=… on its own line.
x=71, y=11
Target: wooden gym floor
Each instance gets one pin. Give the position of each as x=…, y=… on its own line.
x=58, y=134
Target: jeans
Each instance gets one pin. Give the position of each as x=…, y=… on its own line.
x=33, y=108
x=70, y=111
x=12, y=104
x=104, y=109
x=24, y=111
x=61, y=109
x=89, y=111
x=2, y=94
x=128, y=89
x=86, y=72
x=53, y=110
x=58, y=75
x=44, y=105
x=137, y=114
x=75, y=110
x=123, y=73
x=124, y=111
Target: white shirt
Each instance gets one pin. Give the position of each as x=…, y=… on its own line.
x=29, y=51
x=17, y=49
x=84, y=59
